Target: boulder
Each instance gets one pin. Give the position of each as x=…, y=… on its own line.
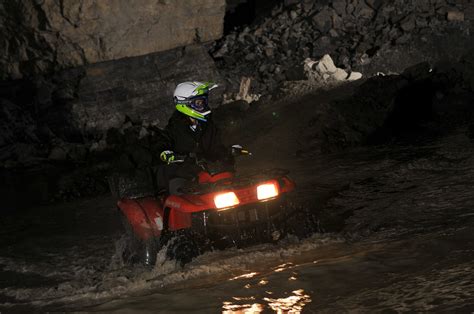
x=375, y=4
x=340, y=6
x=323, y=45
x=324, y=71
x=339, y=75
x=326, y=65
x=353, y=76
x=455, y=16
x=323, y=20
x=408, y=23
x=363, y=10
x=337, y=22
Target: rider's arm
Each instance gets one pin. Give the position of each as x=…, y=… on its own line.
x=214, y=147
x=162, y=141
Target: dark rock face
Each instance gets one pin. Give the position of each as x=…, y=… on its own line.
x=139, y=88
x=17, y=126
x=365, y=36
x=424, y=98
x=43, y=36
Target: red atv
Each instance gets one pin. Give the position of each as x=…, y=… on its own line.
x=215, y=210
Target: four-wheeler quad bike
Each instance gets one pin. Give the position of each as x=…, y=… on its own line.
x=215, y=210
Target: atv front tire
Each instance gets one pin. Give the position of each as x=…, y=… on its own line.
x=138, y=251
x=182, y=246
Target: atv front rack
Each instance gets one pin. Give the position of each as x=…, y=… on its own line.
x=244, y=224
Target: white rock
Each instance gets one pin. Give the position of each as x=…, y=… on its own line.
x=339, y=75
x=354, y=76
x=326, y=65
x=324, y=70
x=310, y=64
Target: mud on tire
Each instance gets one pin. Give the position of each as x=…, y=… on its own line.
x=182, y=246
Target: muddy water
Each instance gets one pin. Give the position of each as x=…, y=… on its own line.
x=398, y=234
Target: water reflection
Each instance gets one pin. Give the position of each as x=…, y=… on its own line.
x=229, y=308
x=292, y=304
x=249, y=275
x=243, y=298
x=282, y=267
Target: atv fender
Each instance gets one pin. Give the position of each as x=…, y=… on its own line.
x=180, y=209
x=145, y=215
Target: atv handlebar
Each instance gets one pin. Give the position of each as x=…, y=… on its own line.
x=182, y=158
x=237, y=150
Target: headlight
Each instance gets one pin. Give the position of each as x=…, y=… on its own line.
x=265, y=191
x=224, y=200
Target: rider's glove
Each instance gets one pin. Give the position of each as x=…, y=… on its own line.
x=167, y=156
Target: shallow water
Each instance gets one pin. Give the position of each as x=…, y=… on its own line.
x=422, y=273
x=398, y=235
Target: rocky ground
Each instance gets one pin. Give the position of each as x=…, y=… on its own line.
x=366, y=36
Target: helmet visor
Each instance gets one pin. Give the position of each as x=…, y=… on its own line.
x=200, y=104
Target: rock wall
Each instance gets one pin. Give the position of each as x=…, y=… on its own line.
x=39, y=36
x=61, y=134
x=139, y=88
x=87, y=101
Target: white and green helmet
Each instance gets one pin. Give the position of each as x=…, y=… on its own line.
x=191, y=99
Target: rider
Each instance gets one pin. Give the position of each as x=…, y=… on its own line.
x=191, y=130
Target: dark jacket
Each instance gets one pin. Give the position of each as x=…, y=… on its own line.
x=205, y=141
x=139, y=159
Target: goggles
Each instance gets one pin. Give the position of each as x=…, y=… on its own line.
x=199, y=103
